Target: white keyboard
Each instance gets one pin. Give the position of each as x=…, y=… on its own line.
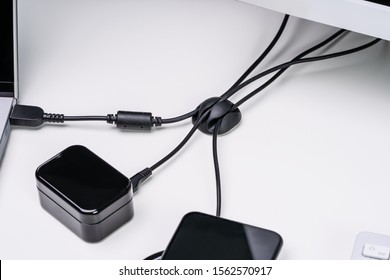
x=371, y=246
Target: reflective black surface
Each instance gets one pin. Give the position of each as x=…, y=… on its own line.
x=6, y=45
x=84, y=180
x=383, y=2
x=204, y=237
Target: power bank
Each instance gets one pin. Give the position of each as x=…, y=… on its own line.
x=85, y=193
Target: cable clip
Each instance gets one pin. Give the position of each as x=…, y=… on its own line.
x=217, y=110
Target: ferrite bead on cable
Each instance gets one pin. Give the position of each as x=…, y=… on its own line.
x=134, y=120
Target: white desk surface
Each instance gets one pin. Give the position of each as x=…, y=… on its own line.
x=310, y=159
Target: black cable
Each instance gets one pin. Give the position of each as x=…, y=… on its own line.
x=264, y=54
x=278, y=74
x=295, y=61
x=283, y=67
x=305, y=60
x=155, y=256
x=141, y=176
x=178, y=147
x=216, y=168
x=33, y=116
x=179, y=118
x=85, y=118
x=264, y=73
x=225, y=96
x=230, y=93
x=158, y=255
x=243, y=76
x=215, y=134
x=217, y=126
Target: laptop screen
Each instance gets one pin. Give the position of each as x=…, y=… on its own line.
x=6, y=48
x=7, y=76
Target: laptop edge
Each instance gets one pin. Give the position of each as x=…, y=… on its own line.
x=8, y=67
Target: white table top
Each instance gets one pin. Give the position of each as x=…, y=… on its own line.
x=310, y=159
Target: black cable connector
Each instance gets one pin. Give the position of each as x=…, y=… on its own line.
x=139, y=178
x=33, y=116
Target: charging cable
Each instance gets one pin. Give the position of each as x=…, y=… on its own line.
x=33, y=116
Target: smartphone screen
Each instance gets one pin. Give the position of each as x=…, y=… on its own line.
x=204, y=237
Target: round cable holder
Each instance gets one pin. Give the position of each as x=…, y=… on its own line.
x=217, y=110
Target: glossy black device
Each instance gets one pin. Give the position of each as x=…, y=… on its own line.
x=85, y=193
x=383, y=2
x=6, y=47
x=204, y=237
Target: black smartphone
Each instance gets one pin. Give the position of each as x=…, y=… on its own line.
x=204, y=237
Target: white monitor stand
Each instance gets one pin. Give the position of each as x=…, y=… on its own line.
x=371, y=17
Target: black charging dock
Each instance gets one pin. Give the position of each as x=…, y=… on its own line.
x=85, y=193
